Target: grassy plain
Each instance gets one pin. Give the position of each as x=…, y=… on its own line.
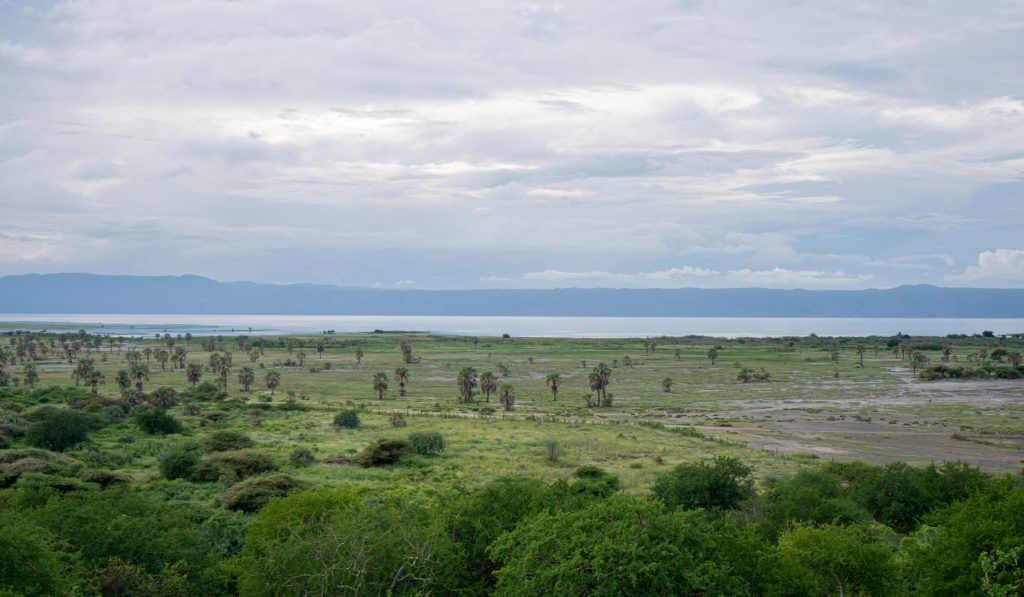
x=812, y=407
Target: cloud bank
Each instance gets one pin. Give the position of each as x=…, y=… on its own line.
x=460, y=144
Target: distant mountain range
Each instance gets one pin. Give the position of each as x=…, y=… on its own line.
x=90, y=293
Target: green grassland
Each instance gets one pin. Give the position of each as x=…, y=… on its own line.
x=812, y=406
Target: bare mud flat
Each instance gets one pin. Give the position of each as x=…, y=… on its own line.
x=979, y=422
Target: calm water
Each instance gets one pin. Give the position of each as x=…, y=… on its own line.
x=561, y=327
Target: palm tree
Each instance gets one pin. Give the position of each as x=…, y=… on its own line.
x=604, y=376
x=31, y=375
x=666, y=385
x=488, y=384
x=82, y=369
x=402, y=377
x=860, y=354
x=553, y=380
x=124, y=380
x=507, y=396
x=679, y=354
x=380, y=384
x=246, y=377
x=148, y=353
x=179, y=357
x=139, y=373
x=94, y=379
x=162, y=356
x=320, y=349
x=359, y=356
x=467, y=383
x=222, y=367
x=713, y=355
x=273, y=380
x=194, y=372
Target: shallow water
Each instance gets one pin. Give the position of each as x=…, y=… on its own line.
x=558, y=327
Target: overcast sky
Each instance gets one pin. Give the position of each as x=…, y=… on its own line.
x=456, y=144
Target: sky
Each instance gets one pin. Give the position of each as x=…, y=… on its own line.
x=470, y=144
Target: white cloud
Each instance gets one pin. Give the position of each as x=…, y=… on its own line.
x=1000, y=268
x=592, y=137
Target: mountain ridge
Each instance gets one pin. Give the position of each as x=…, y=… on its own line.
x=192, y=294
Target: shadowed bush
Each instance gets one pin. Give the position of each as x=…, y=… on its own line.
x=427, y=443
x=255, y=492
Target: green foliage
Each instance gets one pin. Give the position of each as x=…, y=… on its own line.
x=222, y=441
x=616, y=546
x=346, y=419
x=895, y=495
x=154, y=421
x=389, y=545
x=843, y=560
x=427, y=443
x=255, y=492
x=123, y=579
x=244, y=463
x=28, y=564
x=58, y=431
x=722, y=483
x=948, y=555
x=595, y=481
x=383, y=452
x=811, y=496
x=179, y=462
x=552, y=451
x=14, y=463
x=105, y=478
x=301, y=457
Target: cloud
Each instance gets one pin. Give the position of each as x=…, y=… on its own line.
x=584, y=143
x=999, y=268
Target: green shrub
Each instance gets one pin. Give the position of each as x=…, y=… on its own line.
x=58, y=431
x=179, y=462
x=223, y=441
x=616, y=546
x=427, y=442
x=255, y=492
x=14, y=463
x=205, y=472
x=552, y=451
x=52, y=483
x=28, y=565
x=595, y=481
x=346, y=419
x=301, y=457
x=383, y=452
x=390, y=546
x=105, y=478
x=722, y=483
x=154, y=420
x=244, y=463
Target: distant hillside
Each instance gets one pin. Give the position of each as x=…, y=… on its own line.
x=88, y=293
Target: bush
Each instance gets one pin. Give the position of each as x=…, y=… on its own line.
x=105, y=478
x=14, y=463
x=390, y=546
x=552, y=451
x=252, y=494
x=244, y=463
x=301, y=457
x=595, y=481
x=346, y=419
x=396, y=421
x=28, y=565
x=383, y=452
x=58, y=431
x=154, y=420
x=616, y=546
x=52, y=483
x=427, y=442
x=223, y=441
x=721, y=484
x=179, y=462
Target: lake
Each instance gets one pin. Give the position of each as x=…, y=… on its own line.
x=557, y=327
